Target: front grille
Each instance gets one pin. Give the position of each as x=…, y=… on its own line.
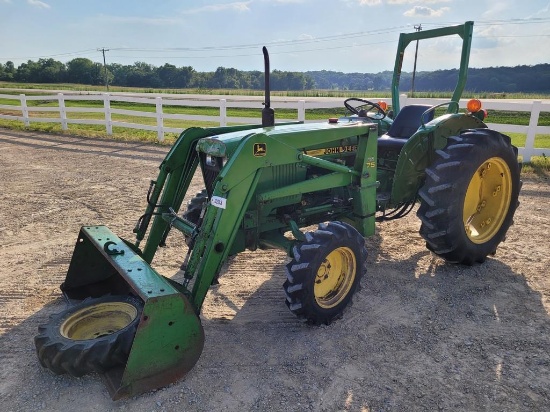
x=211, y=167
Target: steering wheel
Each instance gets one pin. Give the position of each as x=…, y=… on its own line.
x=363, y=108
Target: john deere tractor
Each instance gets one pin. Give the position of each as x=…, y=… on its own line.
x=262, y=185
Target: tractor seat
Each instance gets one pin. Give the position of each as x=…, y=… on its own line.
x=405, y=124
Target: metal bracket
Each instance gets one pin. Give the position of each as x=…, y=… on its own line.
x=296, y=232
x=113, y=251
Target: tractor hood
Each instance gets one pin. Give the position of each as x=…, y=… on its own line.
x=224, y=145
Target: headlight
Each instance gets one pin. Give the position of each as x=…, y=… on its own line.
x=210, y=161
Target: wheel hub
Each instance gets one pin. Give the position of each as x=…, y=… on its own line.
x=335, y=277
x=487, y=200
x=98, y=320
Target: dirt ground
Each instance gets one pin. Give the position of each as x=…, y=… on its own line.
x=422, y=335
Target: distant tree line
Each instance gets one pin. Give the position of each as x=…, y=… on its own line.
x=140, y=74
x=527, y=79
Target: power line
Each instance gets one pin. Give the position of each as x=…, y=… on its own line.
x=294, y=42
x=271, y=44
x=281, y=43
x=255, y=54
x=534, y=20
x=76, y=53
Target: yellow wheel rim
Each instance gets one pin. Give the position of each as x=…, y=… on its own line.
x=335, y=277
x=487, y=200
x=98, y=320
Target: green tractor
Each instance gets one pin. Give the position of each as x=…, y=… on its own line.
x=262, y=185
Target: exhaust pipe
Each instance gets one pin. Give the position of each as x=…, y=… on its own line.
x=268, y=114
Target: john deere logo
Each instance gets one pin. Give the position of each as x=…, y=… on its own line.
x=260, y=149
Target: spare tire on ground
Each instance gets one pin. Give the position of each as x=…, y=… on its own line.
x=92, y=336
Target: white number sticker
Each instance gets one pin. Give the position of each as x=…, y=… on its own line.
x=218, y=202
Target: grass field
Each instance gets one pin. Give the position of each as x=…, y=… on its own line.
x=8, y=88
x=495, y=116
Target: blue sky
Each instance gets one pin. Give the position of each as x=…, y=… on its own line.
x=301, y=35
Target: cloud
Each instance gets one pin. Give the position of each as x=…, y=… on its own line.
x=39, y=4
x=540, y=12
x=495, y=9
x=5, y=1
x=149, y=21
x=369, y=2
x=394, y=2
x=417, y=1
x=287, y=1
x=491, y=38
x=239, y=6
x=421, y=11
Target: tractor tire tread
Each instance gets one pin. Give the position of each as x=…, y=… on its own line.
x=77, y=358
x=194, y=207
x=298, y=291
x=445, y=186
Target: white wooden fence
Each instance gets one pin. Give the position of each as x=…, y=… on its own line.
x=300, y=104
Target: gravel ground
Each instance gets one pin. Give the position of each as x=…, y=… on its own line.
x=422, y=335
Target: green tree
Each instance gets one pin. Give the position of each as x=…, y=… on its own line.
x=27, y=72
x=225, y=78
x=7, y=71
x=50, y=71
x=184, y=77
x=168, y=74
x=85, y=71
x=119, y=73
x=143, y=74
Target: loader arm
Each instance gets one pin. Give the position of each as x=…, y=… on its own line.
x=176, y=171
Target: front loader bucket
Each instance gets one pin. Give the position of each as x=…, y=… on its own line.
x=169, y=337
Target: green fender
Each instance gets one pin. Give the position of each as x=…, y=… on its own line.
x=419, y=152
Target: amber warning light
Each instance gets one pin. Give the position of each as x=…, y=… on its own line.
x=474, y=105
x=383, y=105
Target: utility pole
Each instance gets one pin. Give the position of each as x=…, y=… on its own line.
x=417, y=28
x=103, y=50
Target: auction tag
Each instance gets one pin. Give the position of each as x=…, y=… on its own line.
x=218, y=202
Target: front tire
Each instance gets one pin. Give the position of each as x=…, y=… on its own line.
x=470, y=196
x=93, y=336
x=325, y=272
x=194, y=207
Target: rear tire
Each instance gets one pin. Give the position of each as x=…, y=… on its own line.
x=470, y=196
x=93, y=336
x=325, y=272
